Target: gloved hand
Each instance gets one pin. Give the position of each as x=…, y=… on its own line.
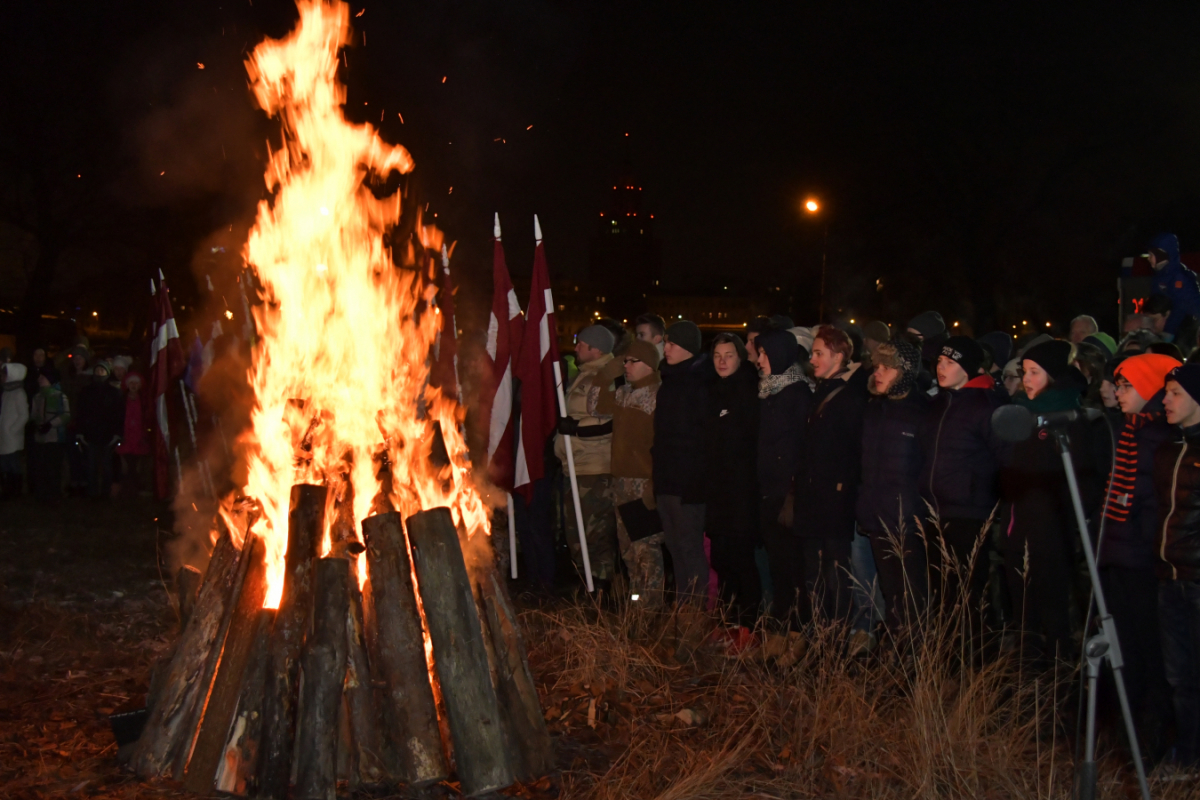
x=568, y=426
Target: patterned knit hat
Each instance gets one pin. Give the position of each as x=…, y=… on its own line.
x=904, y=356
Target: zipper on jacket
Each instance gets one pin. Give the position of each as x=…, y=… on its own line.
x=1162, y=550
x=937, y=443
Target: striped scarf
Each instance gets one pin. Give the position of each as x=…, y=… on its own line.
x=1123, y=481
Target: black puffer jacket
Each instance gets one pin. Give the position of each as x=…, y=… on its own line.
x=831, y=466
x=781, y=437
x=731, y=428
x=891, y=463
x=961, y=455
x=1177, y=484
x=101, y=413
x=679, y=428
x=1132, y=516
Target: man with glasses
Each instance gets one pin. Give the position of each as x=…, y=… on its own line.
x=1127, y=558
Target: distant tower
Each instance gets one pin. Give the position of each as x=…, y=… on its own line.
x=625, y=257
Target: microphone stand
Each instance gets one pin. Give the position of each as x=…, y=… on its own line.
x=1102, y=646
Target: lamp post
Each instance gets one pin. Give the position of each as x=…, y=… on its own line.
x=813, y=207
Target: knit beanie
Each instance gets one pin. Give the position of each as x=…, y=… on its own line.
x=685, y=334
x=643, y=351
x=966, y=352
x=1053, y=356
x=781, y=348
x=1187, y=376
x=804, y=338
x=782, y=321
x=928, y=324
x=598, y=337
x=1001, y=344
x=903, y=356
x=877, y=331
x=1147, y=372
x=1105, y=341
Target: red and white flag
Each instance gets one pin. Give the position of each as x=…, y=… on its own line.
x=167, y=364
x=535, y=371
x=505, y=327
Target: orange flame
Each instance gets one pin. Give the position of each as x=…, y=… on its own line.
x=341, y=370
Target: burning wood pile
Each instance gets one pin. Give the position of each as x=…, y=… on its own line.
x=339, y=632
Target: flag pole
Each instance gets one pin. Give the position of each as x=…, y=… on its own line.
x=512, y=537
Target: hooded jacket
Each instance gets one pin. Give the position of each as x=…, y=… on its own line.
x=14, y=409
x=831, y=466
x=891, y=463
x=783, y=411
x=960, y=454
x=592, y=453
x=1177, y=486
x=1131, y=508
x=679, y=452
x=1177, y=282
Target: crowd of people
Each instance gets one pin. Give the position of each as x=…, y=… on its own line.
x=852, y=475
x=74, y=424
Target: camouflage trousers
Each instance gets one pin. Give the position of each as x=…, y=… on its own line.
x=599, y=521
x=643, y=558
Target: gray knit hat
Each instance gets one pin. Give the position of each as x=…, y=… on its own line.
x=685, y=334
x=598, y=337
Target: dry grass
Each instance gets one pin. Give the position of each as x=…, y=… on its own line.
x=920, y=722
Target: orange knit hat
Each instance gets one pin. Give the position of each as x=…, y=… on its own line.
x=1147, y=372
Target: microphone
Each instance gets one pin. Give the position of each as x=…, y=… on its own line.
x=1017, y=423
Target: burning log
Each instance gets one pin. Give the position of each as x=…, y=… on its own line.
x=399, y=654
x=170, y=710
x=187, y=587
x=237, y=768
x=366, y=740
x=227, y=688
x=517, y=692
x=324, y=667
x=305, y=527
x=460, y=656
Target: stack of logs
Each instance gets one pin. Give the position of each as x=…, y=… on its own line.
x=336, y=683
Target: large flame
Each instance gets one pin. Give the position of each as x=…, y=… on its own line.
x=341, y=370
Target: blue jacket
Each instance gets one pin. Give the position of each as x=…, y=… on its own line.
x=891, y=464
x=961, y=455
x=1132, y=516
x=1177, y=282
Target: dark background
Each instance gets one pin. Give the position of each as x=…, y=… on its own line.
x=993, y=161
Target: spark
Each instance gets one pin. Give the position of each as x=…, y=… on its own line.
x=199, y=65
x=164, y=172
x=228, y=314
x=359, y=14
x=444, y=79
x=529, y=128
x=401, y=116
x=451, y=190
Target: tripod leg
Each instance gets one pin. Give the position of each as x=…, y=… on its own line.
x=1130, y=731
x=1086, y=776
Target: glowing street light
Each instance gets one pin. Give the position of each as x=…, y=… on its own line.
x=812, y=206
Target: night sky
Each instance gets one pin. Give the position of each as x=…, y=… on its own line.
x=993, y=161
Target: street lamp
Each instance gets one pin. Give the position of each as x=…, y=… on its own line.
x=812, y=206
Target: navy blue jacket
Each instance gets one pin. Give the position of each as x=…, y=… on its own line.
x=891, y=464
x=1130, y=529
x=680, y=441
x=831, y=466
x=1176, y=282
x=782, y=419
x=961, y=454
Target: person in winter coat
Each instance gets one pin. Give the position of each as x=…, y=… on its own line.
x=591, y=445
x=830, y=471
x=1126, y=556
x=1177, y=551
x=889, y=507
x=632, y=408
x=679, y=453
x=961, y=459
x=785, y=400
x=99, y=425
x=134, y=448
x=50, y=416
x=14, y=415
x=1177, y=283
x=731, y=510
x=1041, y=529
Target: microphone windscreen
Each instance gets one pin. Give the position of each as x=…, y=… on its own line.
x=1012, y=423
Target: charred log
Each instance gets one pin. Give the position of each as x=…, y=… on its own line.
x=236, y=773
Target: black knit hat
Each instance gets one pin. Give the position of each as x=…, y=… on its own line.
x=685, y=334
x=1054, y=357
x=928, y=324
x=1187, y=376
x=781, y=348
x=966, y=352
x=1001, y=344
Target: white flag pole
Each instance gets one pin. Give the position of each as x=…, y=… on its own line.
x=583, y=546
x=512, y=537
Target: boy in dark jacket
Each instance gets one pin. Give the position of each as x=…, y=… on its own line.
x=1177, y=546
x=959, y=469
x=678, y=455
x=784, y=402
x=889, y=504
x=99, y=426
x=1126, y=556
x=830, y=471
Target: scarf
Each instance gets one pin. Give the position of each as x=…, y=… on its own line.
x=1122, y=481
x=774, y=384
